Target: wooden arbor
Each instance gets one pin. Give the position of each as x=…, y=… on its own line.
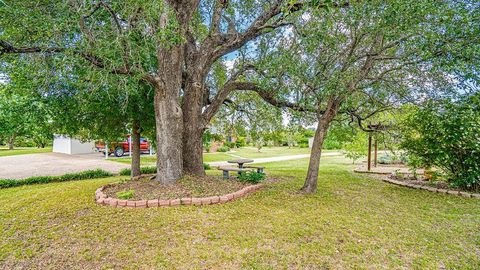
x=373, y=128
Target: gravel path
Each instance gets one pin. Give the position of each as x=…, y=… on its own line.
x=23, y=166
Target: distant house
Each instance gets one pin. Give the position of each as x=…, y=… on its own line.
x=66, y=145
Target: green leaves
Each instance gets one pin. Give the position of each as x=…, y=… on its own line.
x=445, y=134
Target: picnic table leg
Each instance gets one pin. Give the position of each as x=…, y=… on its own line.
x=225, y=175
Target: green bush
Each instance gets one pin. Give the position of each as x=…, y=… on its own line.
x=230, y=144
x=143, y=170
x=241, y=142
x=303, y=145
x=444, y=134
x=125, y=195
x=206, y=166
x=91, y=174
x=303, y=141
x=223, y=149
x=251, y=177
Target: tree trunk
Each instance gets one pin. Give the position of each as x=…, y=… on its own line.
x=169, y=139
x=193, y=150
x=10, y=142
x=310, y=185
x=168, y=115
x=193, y=123
x=135, y=141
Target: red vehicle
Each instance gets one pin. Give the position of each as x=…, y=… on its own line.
x=120, y=148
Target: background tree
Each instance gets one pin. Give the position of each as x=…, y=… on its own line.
x=364, y=60
x=357, y=147
x=85, y=105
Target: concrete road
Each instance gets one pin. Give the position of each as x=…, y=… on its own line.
x=23, y=166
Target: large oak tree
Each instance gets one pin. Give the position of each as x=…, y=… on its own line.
x=170, y=45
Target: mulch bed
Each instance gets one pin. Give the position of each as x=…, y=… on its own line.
x=189, y=186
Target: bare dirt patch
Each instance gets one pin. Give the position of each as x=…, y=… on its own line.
x=189, y=186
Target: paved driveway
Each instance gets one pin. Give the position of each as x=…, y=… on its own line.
x=23, y=166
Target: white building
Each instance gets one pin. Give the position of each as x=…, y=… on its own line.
x=66, y=145
x=310, y=142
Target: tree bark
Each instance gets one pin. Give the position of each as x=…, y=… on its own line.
x=168, y=115
x=310, y=185
x=135, y=141
x=193, y=149
x=193, y=124
x=168, y=82
x=168, y=120
x=10, y=142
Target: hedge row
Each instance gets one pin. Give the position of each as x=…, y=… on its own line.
x=90, y=174
x=143, y=170
x=151, y=170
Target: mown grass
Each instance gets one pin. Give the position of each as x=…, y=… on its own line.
x=244, y=152
x=352, y=222
x=23, y=151
x=252, y=152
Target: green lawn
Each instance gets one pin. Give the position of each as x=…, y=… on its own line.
x=252, y=152
x=245, y=152
x=353, y=222
x=23, y=151
x=150, y=160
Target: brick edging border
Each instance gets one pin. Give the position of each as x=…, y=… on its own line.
x=371, y=172
x=102, y=199
x=432, y=189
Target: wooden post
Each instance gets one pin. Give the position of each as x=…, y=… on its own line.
x=375, y=153
x=106, y=150
x=369, y=151
x=130, y=144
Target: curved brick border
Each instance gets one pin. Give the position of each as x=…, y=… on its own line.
x=102, y=199
x=432, y=189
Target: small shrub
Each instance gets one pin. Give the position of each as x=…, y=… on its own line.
x=251, y=177
x=241, y=142
x=230, y=144
x=397, y=174
x=125, y=195
x=206, y=166
x=90, y=174
x=385, y=159
x=223, y=149
x=303, y=145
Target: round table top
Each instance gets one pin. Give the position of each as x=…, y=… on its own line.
x=244, y=160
